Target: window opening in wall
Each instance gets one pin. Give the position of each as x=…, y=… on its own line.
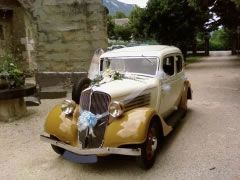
x=1, y=32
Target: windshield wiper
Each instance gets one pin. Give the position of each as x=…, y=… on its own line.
x=151, y=62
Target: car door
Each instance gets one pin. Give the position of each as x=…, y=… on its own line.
x=168, y=85
x=179, y=79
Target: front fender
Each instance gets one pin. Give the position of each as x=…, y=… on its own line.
x=61, y=126
x=130, y=128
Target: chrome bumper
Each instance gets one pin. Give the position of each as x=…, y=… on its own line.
x=94, y=151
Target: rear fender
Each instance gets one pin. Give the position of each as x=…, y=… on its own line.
x=186, y=94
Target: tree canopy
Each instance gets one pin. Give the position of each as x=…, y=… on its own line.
x=173, y=22
x=178, y=22
x=120, y=15
x=118, y=32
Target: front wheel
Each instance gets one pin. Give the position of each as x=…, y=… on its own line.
x=150, y=147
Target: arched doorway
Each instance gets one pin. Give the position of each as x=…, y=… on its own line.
x=14, y=33
x=5, y=30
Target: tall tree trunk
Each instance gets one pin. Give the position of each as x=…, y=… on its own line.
x=234, y=44
x=194, y=47
x=206, y=38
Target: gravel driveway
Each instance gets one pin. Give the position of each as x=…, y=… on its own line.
x=204, y=145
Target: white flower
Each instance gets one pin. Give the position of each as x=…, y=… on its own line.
x=106, y=80
x=108, y=73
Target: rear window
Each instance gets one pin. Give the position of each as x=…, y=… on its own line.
x=179, y=63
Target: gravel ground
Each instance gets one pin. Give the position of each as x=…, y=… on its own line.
x=204, y=145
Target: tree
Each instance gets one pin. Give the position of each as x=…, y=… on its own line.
x=171, y=22
x=136, y=22
x=120, y=15
x=229, y=16
x=220, y=40
x=110, y=27
x=123, y=32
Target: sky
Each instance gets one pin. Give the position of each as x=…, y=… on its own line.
x=141, y=3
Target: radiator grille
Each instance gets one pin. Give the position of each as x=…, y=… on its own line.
x=97, y=103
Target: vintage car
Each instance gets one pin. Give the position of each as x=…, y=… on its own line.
x=135, y=100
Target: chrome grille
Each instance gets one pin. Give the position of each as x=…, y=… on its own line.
x=142, y=100
x=97, y=103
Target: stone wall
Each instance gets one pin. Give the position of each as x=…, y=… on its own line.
x=66, y=33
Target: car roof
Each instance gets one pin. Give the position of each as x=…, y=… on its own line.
x=147, y=51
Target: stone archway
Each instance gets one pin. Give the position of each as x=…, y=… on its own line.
x=5, y=30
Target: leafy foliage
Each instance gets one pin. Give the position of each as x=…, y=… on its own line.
x=10, y=72
x=120, y=15
x=110, y=27
x=229, y=16
x=118, y=32
x=136, y=23
x=123, y=32
x=228, y=12
x=220, y=40
x=169, y=22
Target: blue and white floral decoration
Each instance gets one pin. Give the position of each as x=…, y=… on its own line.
x=87, y=120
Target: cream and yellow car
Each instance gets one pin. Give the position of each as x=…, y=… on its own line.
x=135, y=100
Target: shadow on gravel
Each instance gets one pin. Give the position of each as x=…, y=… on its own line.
x=118, y=164
x=168, y=140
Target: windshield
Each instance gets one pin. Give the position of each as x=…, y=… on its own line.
x=142, y=65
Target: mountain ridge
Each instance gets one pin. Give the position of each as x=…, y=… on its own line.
x=115, y=5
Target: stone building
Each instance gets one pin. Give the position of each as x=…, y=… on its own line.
x=13, y=29
x=53, y=35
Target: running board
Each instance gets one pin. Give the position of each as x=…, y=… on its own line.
x=175, y=117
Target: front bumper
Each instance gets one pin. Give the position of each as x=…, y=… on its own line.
x=93, y=151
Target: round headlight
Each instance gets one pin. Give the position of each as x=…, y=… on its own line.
x=116, y=109
x=68, y=106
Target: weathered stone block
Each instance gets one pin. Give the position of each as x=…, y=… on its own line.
x=12, y=109
x=72, y=36
x=60, y=2
x=79, y=66
x=68, y=32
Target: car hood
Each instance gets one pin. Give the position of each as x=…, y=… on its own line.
x=126, y=87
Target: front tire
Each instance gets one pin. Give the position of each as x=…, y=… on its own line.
x=57, y=149
x=150, y=147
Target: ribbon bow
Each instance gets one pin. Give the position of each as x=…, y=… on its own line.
x=87, y=120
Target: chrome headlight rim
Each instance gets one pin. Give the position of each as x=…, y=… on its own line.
x=68, y=107
x=116, y=109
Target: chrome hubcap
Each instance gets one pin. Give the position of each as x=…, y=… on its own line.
x=154, y=144
x=151, y=145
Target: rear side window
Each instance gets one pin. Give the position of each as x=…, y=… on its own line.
x=179, y=63
x=168, y=65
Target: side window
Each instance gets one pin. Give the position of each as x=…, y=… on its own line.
x=168, y=65
x=179, y=63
